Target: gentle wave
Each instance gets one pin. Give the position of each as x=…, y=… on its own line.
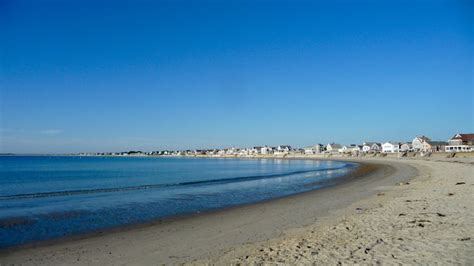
x=156, y=186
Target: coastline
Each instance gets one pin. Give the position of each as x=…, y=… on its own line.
x=355, y=170
x=230, y=226
x=428, y=220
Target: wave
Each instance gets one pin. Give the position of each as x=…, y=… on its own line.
x=157, y=186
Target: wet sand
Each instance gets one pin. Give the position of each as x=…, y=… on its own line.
x=239, y=234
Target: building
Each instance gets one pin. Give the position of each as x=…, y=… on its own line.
x=256, y=150
x=390, y=147
x=318, y=148
x=266, y=150
x=356, y=148
x=344, y=149
x=460, y=143
x=406, y=147
x=425, y=144
x=371, y=147
x=437, y=146
x=421, y=143
x=309, y=150
x=333, y=147
x=350, y=148
x=284, y=148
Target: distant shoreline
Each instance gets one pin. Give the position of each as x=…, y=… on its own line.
x=270, y=156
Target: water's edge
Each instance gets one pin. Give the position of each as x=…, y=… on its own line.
x=356, y=170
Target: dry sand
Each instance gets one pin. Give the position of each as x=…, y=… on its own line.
x=428, y=220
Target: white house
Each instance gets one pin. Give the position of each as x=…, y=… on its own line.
x=356, y=148
x=390, y=147
x=406, y=147
x=256, y=150
x=284, y=148
x=319, y=148
x=231, y=151
x=344, y=149
x=309, y=150
x=333, y=147
x=371, y=147
x=350, y=148
x=460, y=143
x=425, y=144
x=421, y=143
x=265, y=150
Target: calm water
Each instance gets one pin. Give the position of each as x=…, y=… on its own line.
x=44, y=197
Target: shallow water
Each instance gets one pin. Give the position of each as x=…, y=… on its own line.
x=47, y=197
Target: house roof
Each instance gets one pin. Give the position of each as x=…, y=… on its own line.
x=437, y=143
x=284, y=147
x=464, y=137
x=425, y=138
x=335, y=145
x=372, y=143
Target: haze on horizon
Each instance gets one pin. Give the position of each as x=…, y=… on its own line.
x=86, y=76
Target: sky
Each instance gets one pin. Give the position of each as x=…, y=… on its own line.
x=89, y=76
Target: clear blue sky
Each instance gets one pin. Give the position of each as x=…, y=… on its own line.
x=111, y=75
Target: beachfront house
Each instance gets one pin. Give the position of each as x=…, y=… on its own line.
x=356, y=148
x=349, y=148
x=333, y=147
x=460, y=143
x=309, y=150
x=421, y=143
x=266, y=150
x=256, y=150
x=437, y=146
x=279, y=153
x=344, y=149
x=318, y=148
x=297, y=151
x=406, y=147
x=371, y=147
x=242, y=152
x=425, y=144
x=282, y=150
x=390, y=147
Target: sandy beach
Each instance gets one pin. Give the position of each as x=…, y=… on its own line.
x=402, y=211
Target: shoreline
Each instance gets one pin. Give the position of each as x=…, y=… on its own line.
x=206, y=221
x=360, y=170
x=357, y=169
x=429, y=220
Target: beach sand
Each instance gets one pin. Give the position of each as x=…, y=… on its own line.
x=404, y=211
x=429, y=220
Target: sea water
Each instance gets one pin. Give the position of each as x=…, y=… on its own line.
x=49, y=197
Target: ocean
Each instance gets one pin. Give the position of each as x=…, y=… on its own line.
x=50, y=197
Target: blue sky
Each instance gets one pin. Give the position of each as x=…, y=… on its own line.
x=80, y=76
